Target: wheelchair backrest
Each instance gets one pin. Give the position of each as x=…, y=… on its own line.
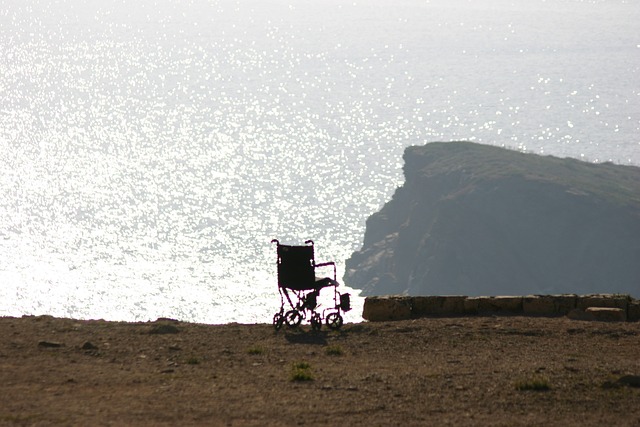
x=296, y=267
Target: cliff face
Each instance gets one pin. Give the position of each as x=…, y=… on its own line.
x=481, y=220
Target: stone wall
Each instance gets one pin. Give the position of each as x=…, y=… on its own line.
x=606, y=307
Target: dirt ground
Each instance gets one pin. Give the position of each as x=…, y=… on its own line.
x=446, y=371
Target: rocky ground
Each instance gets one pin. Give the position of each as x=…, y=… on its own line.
x=446, y=371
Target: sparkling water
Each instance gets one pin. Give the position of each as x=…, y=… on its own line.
x=151, y=150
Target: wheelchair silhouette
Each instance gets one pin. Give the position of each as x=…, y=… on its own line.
x=299, y=290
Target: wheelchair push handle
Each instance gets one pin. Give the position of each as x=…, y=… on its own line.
x=276, y=241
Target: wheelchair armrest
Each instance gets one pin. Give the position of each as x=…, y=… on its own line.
x=323, y=264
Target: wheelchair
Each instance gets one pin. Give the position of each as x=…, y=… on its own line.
x=299, y=290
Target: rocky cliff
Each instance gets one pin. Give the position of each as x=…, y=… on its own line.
x=473, y=219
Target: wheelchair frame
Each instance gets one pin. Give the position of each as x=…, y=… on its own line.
x=299, y=289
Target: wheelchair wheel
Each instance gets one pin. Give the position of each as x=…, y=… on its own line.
x=316, y=322
x=334, y=321
x=293, y=318
x=278, y=320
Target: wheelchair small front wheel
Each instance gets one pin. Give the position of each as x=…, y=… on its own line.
x=316, y=322
x=334, y=321
x=293, y=318
x=278, y=320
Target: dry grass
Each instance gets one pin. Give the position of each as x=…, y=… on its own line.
x=457, y=371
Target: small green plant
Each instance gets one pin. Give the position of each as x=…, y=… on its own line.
x=536, y=383
x=623, y=296
x=255, y=350
x=334, y=350
x=193, y=361
x=301, y=371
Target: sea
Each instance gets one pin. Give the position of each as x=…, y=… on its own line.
x=150, y=150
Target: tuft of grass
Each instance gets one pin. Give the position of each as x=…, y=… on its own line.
x=255, y=350
x=301, y=375
x=193, y=361
x=301, y=371
x=627, y=297
x=535, y=383
x=301, y=365
x=334, y=350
